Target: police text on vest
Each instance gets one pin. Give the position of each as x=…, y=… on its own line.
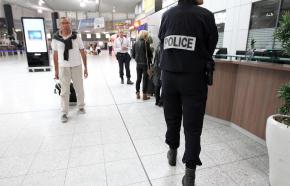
x=179, y=42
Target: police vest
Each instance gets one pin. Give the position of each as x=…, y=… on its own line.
x=179, y=42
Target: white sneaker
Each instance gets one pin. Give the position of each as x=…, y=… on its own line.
x=82, y=111
x=64, y=118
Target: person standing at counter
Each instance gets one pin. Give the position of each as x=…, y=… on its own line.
x=188, y=36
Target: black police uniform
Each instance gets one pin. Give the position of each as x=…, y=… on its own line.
x=188, y=34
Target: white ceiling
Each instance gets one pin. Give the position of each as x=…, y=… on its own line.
x=122, y=6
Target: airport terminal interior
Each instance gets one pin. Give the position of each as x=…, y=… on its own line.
x=120, y=140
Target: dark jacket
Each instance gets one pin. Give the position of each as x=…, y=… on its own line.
x=188, y=36
x=139, y=52
x=156, y=67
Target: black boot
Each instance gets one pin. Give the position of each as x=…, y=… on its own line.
x=171, y=156
x=129, y=82
x=122, y=81
x=189, y=177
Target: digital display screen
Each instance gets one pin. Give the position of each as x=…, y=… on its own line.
x=35, y=37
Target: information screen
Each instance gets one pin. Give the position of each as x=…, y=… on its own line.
x=34, y=32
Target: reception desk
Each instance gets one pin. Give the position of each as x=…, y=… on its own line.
x=245, y=93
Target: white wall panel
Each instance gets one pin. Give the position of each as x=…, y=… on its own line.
x=1, y=9
x=119, y=16
x=245, y=16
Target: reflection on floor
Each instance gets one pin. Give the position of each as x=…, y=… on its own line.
x=119, y=141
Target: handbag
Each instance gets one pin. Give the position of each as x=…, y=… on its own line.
x=149, y=69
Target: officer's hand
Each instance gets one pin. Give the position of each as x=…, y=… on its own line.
x=86, y=73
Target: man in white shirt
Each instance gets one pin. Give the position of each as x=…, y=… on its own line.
x=122, y=46
x=110, y=45
x=68, y=54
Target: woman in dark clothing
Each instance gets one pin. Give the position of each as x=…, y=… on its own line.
x=157, y=77
x=142, y=54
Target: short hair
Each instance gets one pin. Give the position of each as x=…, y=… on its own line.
x=194, y=1
x=143, y=34
x=64, y=18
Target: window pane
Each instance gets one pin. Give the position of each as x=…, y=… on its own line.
x=264, y=14
x=285, y=6
x=262, y=25
x=220, y=18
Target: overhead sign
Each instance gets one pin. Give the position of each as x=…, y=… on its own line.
x=122, y=24
x=99, y=23
x=92, y=23
x=149, y=6
x=86, y=23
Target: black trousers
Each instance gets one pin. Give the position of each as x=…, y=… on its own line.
x=124, y=59
x=142, y=71
x=158, y=96
x=110, y=50
x=185, y=97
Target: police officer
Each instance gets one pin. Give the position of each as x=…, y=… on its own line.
x=188, y=35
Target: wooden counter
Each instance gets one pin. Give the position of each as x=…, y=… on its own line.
x=245, y=93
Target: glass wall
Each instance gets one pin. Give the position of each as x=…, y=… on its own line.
x=263, y=23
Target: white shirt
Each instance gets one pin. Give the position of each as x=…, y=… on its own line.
x=110, y=44
x=74, y=54
x=122, y=42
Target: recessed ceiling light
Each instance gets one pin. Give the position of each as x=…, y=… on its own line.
x=39, y=11
x=40, y=2
x=82, y=4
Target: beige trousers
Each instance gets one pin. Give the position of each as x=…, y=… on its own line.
x=66, y=74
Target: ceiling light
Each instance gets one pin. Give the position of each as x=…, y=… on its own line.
x=82, y=4
x=40, y=2
x=97, y=1
x=39, y=11
x=114, y=9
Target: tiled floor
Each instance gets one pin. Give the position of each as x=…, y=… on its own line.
x=119, y=141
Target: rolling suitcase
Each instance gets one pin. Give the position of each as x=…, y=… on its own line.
x=72, y=96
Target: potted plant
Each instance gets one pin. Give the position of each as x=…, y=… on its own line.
x=283, y=32
x=278, y=141
x=253, y=41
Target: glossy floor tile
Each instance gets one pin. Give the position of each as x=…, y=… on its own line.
x=120, y=141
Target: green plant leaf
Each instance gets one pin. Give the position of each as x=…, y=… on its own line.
x=282, y=33
x=284, y=95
